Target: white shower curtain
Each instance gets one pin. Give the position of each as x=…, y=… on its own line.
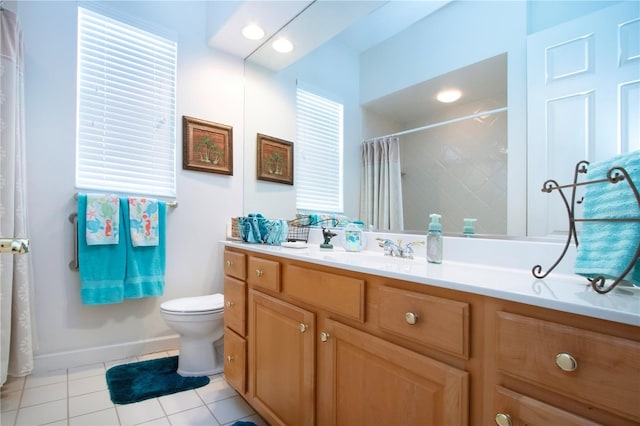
x=16, y=341
x=380, y=184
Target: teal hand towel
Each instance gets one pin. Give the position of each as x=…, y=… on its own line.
x=606, y=248
x=145, y=265
x=102, y=267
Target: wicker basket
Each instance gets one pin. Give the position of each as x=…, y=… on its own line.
x=297, y=231
x=235, y=232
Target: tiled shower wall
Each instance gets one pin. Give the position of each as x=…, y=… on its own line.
x=458, y=170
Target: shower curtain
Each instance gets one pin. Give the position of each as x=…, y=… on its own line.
x=16, y=341
x=380, y=184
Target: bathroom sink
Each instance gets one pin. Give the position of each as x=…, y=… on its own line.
x=371, y=259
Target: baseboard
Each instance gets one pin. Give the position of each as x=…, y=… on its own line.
x=87, y=356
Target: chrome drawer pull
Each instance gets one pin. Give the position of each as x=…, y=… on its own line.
x=503, y=419
x=303, y=327
x=566, y=362
x=324, y=336
x=229, y=263
x=411, y=318
x=258, y=273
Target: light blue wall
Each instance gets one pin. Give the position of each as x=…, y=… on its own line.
x=457, y=35
x=210, y=87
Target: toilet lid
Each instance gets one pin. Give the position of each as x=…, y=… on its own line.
x=211, y=302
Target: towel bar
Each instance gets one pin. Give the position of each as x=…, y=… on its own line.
x=172, y=203
x=74, y=265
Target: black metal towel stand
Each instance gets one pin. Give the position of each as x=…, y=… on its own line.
x=614, y=176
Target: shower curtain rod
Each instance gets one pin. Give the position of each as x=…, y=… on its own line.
x=442, y=123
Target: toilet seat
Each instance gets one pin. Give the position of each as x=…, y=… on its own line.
x=195, y=305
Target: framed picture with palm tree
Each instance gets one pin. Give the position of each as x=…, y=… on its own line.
x=275, y=159
x=207, y=146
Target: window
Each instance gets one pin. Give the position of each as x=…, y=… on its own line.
x=126, y=108
x=318, y=152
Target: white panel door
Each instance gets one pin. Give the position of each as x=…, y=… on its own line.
x=583, y=103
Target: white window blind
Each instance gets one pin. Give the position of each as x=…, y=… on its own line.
x=126, y=108
x=318, y=162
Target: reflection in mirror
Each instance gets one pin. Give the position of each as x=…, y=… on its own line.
x=458, y=36
x=453, y=155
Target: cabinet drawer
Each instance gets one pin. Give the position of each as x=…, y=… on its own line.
x=433, y=321
x=263, y=273
x=514, y=409
x=235, y=360
x=335, y=293
x=234, y=264
x=235, y=305
x=606, y=371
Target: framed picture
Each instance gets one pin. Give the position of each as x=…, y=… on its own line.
x=275, y=159
x=207, y=146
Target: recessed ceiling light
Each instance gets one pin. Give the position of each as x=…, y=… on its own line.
x=253, y=32
x=449, y=95
x=282, y=45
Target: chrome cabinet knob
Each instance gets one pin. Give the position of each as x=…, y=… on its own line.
x=324, y=336
x=258, y=272
x=303, y=327
x=566, y=362
x=229, y=263
x=411, y=318
x=230, y=358
x=503, y=419
x=229, y=303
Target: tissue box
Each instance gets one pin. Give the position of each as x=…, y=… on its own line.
x=257, y=229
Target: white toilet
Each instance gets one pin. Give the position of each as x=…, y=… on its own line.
x=199, y=322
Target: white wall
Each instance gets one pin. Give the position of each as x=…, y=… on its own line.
x=270, y=102
x=209, y=86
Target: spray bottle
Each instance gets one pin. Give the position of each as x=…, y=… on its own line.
x=434, y=239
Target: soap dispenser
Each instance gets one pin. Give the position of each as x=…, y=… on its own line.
x=434, y=239
x=469, y=227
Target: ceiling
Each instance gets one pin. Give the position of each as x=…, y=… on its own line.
x=483, y=84
x=360, y=25
x=308, y=24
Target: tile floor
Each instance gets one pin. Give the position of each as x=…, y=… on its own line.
x=79, y=396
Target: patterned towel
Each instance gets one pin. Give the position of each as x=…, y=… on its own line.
x=102, y=219
x=143, y=218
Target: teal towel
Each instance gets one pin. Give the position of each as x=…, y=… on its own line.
x=257, y=229
x=145, y=264
x=606, y=248
x=102, y=267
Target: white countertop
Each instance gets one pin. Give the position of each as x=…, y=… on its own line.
x=562, y=292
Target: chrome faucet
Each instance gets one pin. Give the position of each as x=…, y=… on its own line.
x=396, y=249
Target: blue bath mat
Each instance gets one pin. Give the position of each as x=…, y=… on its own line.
x=142, y=380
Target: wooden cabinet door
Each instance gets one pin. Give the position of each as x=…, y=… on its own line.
x=235, y=348
x=370, y=381
x=281, y=361
x=235, y=294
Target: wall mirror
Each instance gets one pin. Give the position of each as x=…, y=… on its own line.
x=485, y=157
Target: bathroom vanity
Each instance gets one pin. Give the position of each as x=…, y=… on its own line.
x=339, y=338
